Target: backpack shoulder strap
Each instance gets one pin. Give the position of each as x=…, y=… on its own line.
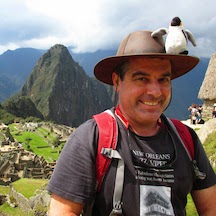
x=108, y=136
x=107, y=142
x=187, y=140
x=185, y=136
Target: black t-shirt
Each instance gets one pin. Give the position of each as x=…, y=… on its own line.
x=158, y=172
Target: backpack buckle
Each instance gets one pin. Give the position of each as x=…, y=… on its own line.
x=198, y=173
x=107, y=152
x=110, y=153
x=117, y=210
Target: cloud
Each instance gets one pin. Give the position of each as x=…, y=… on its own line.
x=91, y=25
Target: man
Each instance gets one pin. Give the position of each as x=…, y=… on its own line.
x=158, y=173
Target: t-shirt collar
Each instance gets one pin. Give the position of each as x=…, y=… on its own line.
x=125, y=121
x=121, y=117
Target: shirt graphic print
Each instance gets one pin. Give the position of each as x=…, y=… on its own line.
x=155, y=200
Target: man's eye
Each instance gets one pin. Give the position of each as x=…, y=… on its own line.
x=165, y=80
x=141, y=78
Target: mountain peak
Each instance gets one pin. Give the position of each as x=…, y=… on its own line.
x=61, y=91
x=58, y=50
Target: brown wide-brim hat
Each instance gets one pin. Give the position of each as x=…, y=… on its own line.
x=142, y=44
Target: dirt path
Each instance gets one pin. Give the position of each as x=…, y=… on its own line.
x=194, y=126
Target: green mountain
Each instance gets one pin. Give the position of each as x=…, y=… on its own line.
x=61, y=91
x=22, y=107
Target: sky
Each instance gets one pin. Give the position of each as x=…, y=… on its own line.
x=90, y=25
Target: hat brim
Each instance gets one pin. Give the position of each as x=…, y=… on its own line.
x=180, y=64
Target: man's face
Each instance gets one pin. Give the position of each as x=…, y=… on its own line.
x=145, y=91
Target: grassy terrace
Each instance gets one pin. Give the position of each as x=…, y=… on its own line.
x=210, y=146
x=42, y=142
x=4, y=190
x=27, y=187
x=7, y=210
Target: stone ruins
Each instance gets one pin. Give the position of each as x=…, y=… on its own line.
x=16, y=162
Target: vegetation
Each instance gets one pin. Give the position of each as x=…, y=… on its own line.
x=27, y=187
x=4, y=190
x=10, y=117
x=6, y=117
x=41, y=141
x=22, y=107
x=190, y=208
x=210, y=146
x=6, y=209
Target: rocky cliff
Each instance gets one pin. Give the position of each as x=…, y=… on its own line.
x=61, y=91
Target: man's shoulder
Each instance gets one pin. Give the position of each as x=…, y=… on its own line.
x=90, y=123
x=86, y=129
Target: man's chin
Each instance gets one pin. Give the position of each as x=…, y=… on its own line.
x=151, y=116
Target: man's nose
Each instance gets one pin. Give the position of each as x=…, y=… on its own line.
x=154, y=88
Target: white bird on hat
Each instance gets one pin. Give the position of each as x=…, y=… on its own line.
x=177, y=37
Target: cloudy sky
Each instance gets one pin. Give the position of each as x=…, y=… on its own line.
x=89, y=25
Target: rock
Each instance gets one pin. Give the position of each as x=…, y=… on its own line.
x=206, y=129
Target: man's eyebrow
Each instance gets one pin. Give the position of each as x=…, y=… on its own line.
x=139, y=73
x=167, y=74
x=142, y=73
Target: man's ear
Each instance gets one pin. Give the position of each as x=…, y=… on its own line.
x=115, y=79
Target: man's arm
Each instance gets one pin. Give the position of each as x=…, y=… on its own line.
x=205, y=201
x=64, y=207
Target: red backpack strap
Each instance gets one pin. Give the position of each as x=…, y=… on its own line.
x=108, y=136
x=186, y=136
x=188, y=143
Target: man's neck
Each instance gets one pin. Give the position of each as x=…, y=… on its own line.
x=143, y=130
x=146, y=130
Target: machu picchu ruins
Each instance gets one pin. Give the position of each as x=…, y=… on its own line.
x=16, y=162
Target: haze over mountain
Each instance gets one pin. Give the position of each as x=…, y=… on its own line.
x=16, y=66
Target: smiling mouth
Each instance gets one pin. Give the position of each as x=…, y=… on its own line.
x=150, y=103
